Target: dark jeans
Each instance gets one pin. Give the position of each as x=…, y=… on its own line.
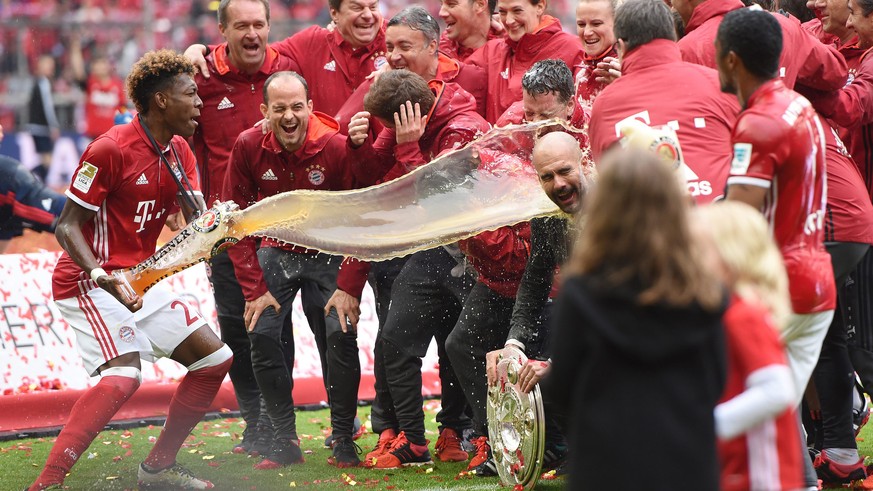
x=426, y=301
x=382, y=276
x=482, y=327
x=833, y=375
x=230, y=304
x=314, y=276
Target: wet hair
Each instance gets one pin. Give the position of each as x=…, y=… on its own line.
x=393, y=89
x=154, y=72
x=284, y=74
x=638, y=22
x=756, y=38
x=638, y=235
x=417, y=19
x=547, y=76
x=222, y=9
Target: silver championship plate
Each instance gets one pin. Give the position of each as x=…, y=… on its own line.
x=516, y=424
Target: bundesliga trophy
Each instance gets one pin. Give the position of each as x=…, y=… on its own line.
x=516, y=424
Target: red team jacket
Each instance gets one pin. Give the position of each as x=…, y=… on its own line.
x=587, y=86
x=499, y=256
x=331, y=67
x=122, y=179
x=688, y=98
x=260, y=168
x=507, y=60
x=804, y=60
x=231, y=105
x=460, y=53
x=779, y=144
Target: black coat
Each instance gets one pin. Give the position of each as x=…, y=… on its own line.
x=641, y=383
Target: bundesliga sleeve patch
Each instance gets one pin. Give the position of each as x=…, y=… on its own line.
x=742, y=158
x=85, y=177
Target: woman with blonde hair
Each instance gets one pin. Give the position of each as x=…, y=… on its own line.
x=638, y=347
x=759, y=439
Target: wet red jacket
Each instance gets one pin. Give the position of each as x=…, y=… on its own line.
x=658, y=88
x=804, y=61
x=460, y=53
x=231, y=105
x=331, y=67
x=506, y=61
x=499, y=256
x=260, y=167
x=851, y=108
x=587, y=86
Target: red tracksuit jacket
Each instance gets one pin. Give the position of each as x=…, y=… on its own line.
x=658, y=88
x=507, y=60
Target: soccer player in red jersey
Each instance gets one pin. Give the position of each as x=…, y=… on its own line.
x=468, y=26
x=779, y=168
x=231, y=96
x=531, y=36
x=128, y=181
x=688, y=98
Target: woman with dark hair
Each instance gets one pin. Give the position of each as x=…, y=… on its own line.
x=531, y=36
x=639, y=344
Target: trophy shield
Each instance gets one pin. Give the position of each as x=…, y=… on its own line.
x=516, y=424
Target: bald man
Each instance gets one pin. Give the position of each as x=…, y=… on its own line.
x=558, y=161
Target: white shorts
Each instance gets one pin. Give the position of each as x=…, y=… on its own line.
x=105, y=329
x=803, y=336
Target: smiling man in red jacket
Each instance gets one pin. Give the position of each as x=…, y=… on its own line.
x=302, y=150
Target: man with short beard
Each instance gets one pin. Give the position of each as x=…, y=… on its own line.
x=231, y=94
x=302, y=150
x=468, y=26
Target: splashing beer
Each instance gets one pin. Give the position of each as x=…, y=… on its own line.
x=485, y=185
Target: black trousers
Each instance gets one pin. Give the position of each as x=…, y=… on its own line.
x=834, y=375
x=272, y=339
x=859, y=319
x=230, y=305
x=482, y=327
x=425, y=304
x=382, y=276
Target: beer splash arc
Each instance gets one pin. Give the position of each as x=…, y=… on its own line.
x=485, y=185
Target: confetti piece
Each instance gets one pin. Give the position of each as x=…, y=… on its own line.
x=292, y=485
x=111, y=478
x=92, y=455
x=208, y=457
x=429, y=470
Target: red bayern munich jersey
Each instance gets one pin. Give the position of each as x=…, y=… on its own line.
x=766, y=456
x=121, y=178
x=779, y=144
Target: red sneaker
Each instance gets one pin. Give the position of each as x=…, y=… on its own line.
x=448, y=447
x=832, y=473
x=386, y=438
x=403, y=453
x=483, y=452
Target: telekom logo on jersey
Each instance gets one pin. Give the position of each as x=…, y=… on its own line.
x=144, y=213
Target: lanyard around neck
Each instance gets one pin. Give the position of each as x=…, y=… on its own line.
x=186, y=190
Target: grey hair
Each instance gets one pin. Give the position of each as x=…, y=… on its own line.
x=417, y=19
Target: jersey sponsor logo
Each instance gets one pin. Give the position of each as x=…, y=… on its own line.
x=144, y=213
x=225, y=104
x=85, y=177
x=126, y=334
x=269, y=176
x=315, y=174
x=330, y=66
x=742, y=158
x=505, y=74
x=142, y=180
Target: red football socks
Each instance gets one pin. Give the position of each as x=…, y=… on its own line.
x=87, y=418
x=190, y=402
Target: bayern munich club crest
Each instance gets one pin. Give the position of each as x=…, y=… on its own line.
x=380, y=61
x=126, y=334
x=315, y=174
x=207, y=222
